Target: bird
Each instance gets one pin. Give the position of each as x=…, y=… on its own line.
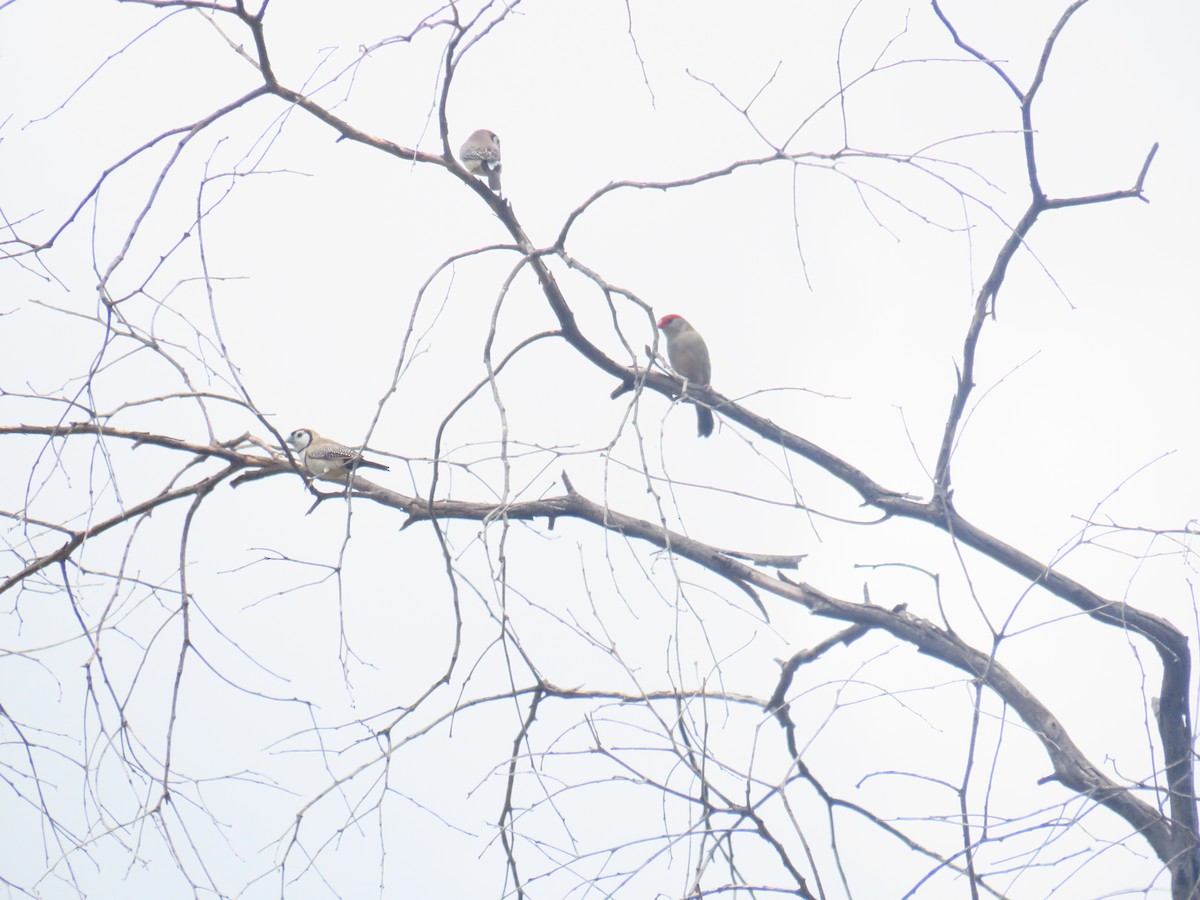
x=689, y=358
x=323, y=457
x=481, y=155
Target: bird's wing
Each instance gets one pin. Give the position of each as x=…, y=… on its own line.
x=332, y=452
x=487, y=154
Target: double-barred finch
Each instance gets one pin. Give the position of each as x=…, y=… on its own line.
x=481, y=155
x=323, y=457
x=689, y=357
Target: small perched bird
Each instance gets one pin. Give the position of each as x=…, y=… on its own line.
x=481, y=155
x=323, y=457
x=689, y=357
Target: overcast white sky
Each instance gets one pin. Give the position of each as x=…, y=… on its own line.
x=834, y=302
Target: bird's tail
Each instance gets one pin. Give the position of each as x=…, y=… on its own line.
x=704, y=420
x=494, y=179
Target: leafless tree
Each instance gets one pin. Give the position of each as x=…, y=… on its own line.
x=563, y=658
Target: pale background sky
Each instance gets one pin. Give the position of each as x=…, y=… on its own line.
x=316, y=260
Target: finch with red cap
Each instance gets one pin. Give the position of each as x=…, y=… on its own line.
x=688, y=355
